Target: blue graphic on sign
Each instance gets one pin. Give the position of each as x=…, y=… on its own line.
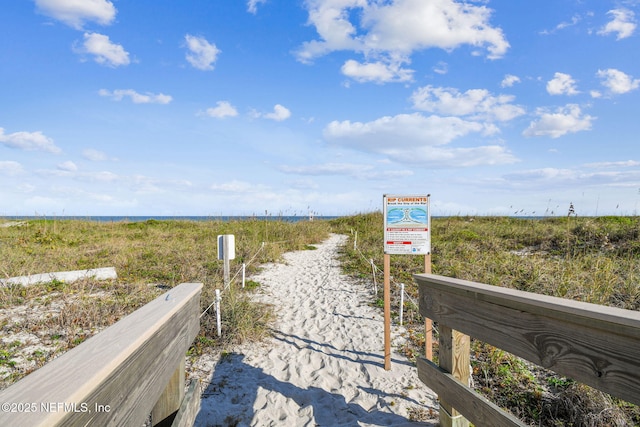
x=401, y=216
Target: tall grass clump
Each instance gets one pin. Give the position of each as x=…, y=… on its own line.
x=595, y=260
x=41, y=321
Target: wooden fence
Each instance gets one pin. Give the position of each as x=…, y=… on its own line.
x=592, y=344
x=130, y=371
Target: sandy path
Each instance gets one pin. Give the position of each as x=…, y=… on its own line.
x=323, y=365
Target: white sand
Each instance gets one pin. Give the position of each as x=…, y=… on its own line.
x=324, y=365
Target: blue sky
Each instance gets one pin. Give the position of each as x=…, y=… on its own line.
x=202, y=107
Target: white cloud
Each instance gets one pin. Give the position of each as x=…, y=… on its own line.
x=360, y=171
x=103, y=176
x=76, y=12
x=544, y=174
x=222, y=110
x=562, y=84
x=617, y=82
x=574, y=20
x=94, y=155
x=202, y=54
x=414, y=138
x=104, y=51
x=409, y=130
x=8, y=167
x=621, y=164
x=136, y=98
x=568, y=119
x=558, y=178
x=236, y=186
x=68, y=166
x=623, y=24
x=475, y=103
x=28, y=141
x=441, y=68
x=509, y=80
x=377, y=72
x=389, y=32
x=252, y=5
x=279, y=113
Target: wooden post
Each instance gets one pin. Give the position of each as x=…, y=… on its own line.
x=387, y=312
x=167, y=406
x=453, y=356
x=428, y=323
x=401, y=302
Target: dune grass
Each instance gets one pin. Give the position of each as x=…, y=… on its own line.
x=588, y=259
x=595, y=260
x=41, y=321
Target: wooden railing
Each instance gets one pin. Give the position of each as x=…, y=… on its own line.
x=592, y=344
x=129, y=372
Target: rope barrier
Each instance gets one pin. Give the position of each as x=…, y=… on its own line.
x=217, y=300
x=377, y=270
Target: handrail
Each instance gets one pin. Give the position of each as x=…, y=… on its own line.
x=117, y=377
x=593, y=344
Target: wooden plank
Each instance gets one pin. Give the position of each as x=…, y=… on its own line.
x=606, y=318
x=453, y=357
x=105, y=273
x=476, y=408
x=115, y=377
x=168, y=404
x=190, y=407
x=596, y=345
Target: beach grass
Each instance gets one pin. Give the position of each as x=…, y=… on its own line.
x=595, y=260
x=588, y=259
x=41, y=321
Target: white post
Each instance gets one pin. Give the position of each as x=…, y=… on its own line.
x=401, y=301
x=244, y=266
x=218, y=321
x=355, y=241
x=373, y=270
x=227, y=281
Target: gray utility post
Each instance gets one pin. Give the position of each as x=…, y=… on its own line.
x=226, y=252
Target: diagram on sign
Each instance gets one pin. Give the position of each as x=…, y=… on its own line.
x=404, y=216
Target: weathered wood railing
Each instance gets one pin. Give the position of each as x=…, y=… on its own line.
x=592, y=344
x=120, y=376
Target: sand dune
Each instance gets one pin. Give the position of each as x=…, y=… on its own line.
x=324, y=364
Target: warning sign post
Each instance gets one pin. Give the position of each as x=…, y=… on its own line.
x=407, y=228
x=407, y=231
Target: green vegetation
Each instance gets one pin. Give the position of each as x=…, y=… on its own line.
x=588, y=259
x=149, y=257
x=595, y=260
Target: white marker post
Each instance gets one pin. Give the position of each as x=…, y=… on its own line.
x=218, y=320
x=244, y=267
x=226, y=252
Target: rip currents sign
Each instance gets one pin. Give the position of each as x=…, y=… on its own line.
x=407, y=225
